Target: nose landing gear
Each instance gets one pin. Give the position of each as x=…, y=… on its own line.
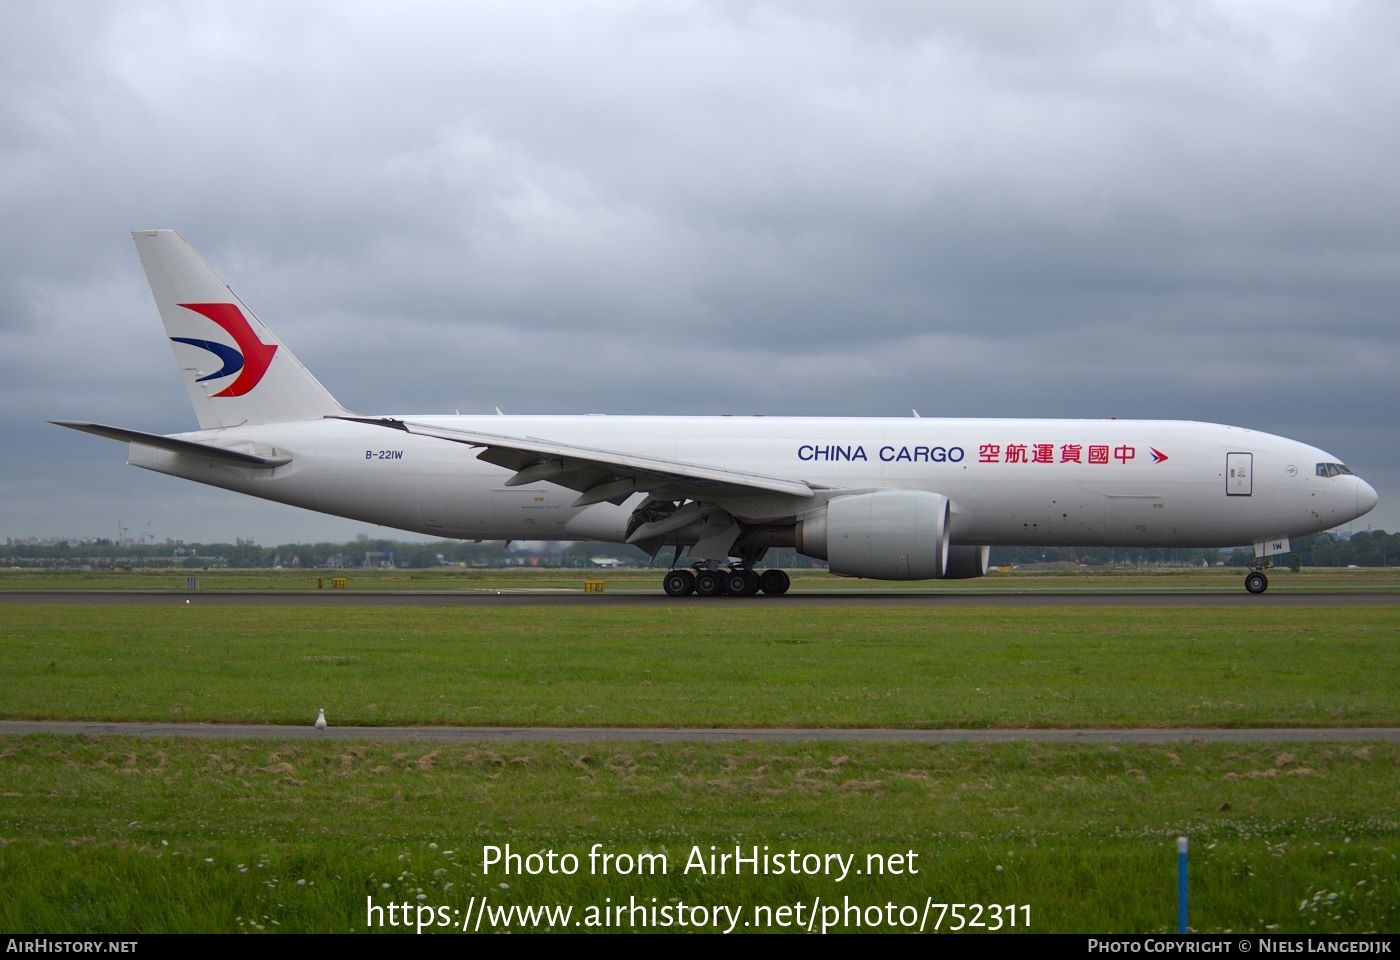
x=1264, y=551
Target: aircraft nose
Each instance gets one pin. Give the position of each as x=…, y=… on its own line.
x=1365, y=497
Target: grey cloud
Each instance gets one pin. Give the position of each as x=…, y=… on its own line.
x=1174, y=210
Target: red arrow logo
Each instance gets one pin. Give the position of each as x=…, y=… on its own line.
x=256, y=354
x=1157, y=455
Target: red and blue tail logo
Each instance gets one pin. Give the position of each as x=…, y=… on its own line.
x=251, y=358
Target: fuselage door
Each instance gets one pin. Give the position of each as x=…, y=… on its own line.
x=1239, y=474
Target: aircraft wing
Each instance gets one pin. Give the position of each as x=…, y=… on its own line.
x=602, y=475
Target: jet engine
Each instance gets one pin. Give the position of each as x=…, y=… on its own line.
x=966, y=562
x=886, y=535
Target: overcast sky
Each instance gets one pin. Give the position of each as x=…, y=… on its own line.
x=1176, y=210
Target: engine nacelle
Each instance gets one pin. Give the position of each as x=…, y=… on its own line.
x=885, y=535
x=966, y=562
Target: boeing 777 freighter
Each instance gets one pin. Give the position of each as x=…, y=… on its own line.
x=890, y=499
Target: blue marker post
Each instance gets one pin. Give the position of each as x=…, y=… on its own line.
x=1181, y=885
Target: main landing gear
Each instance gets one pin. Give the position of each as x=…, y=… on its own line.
x=1255, y=581
x=736, y=581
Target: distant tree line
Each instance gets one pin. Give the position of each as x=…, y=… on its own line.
x=1106, y=556
x=1370, y=548
x=349, y=555
x=1367, y=549
x=356, y=554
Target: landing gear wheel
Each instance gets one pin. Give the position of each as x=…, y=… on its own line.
x=1256, y=582
x=709, y=583
x=775, y=583
x=742, y=583
x=679, y=583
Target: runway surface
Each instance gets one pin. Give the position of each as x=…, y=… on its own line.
x=569, y=598
x=693, y=735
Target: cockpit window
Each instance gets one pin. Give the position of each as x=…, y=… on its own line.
x=1333, y=470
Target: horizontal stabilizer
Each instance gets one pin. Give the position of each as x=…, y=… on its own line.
x=175, y=445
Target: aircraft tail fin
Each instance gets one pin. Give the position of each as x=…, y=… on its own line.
x=236, y=370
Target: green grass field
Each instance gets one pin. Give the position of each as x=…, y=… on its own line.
x=728, y=665
x=117, y=834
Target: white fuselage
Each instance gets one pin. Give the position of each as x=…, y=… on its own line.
x=1025, y=482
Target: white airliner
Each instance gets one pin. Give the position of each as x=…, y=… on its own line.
x=891, y=499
